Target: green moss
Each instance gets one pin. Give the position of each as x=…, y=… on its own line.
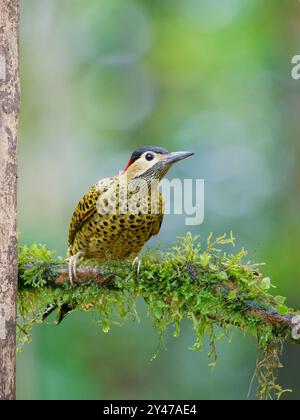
x=202, y=283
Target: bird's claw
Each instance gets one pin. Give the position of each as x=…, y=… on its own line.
x=139, y=263
x=72, y=267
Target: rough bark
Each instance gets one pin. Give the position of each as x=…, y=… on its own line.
x=9, y=111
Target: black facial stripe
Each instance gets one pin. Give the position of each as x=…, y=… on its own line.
x=149, y=174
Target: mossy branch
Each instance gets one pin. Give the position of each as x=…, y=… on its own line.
x=201, y=283
x=56, y=274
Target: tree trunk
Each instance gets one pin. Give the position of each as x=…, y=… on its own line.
x=9, y=111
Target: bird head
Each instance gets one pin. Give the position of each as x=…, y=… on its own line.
x=151, y=162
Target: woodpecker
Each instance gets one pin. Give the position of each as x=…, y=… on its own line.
x=118, y=215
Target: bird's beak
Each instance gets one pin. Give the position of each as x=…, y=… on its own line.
x=171, y=158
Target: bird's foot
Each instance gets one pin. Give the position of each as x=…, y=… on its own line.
x=72, y=266
x=138, y=268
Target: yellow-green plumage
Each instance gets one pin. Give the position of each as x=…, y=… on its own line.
x=110, y=224
x=118, y=215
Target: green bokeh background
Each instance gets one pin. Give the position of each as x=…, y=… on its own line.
x=102, y=77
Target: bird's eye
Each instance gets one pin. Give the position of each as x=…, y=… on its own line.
x=149, y=156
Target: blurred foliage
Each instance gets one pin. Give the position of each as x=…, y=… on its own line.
x=102, y=77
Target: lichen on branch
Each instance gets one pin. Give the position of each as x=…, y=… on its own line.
x=195, y=281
